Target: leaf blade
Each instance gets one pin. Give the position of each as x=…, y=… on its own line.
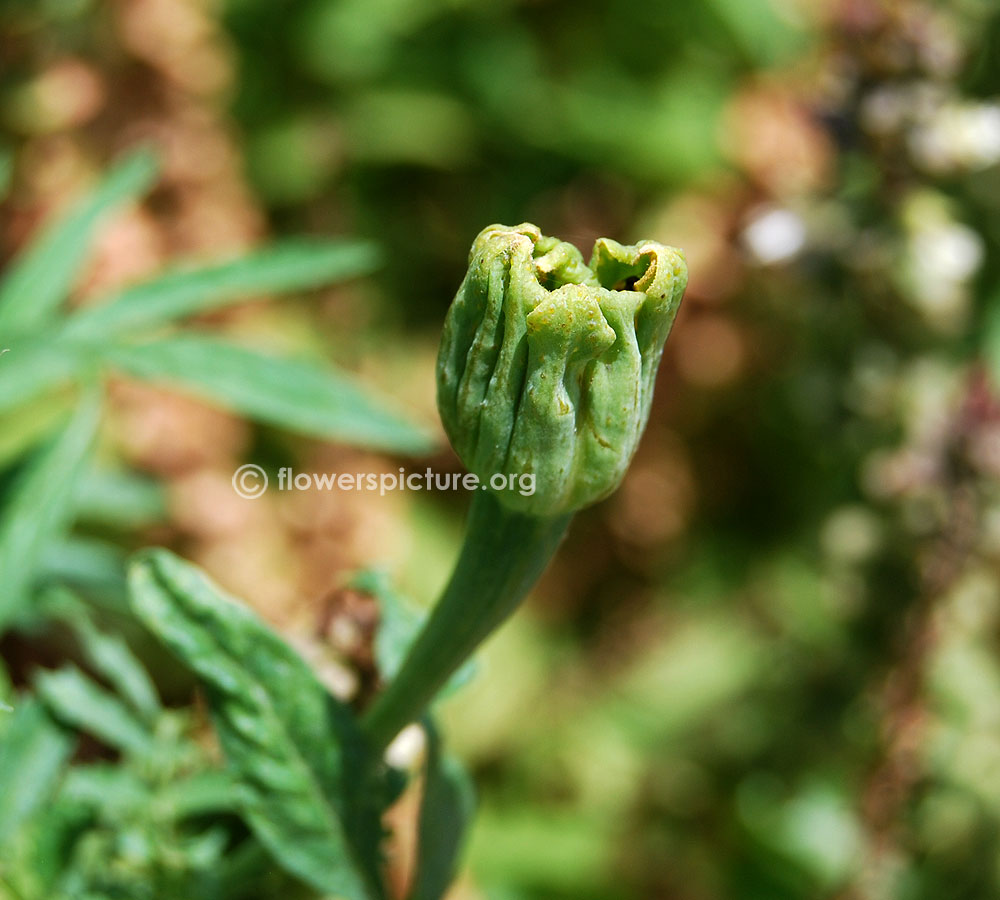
x=282, y=734
x=446, y=811
x=291, y=394
x=281, y=268
x=33, y=753
x=41, y=505
x=81, y=703
x=33, y=366
x=109, y=655
x=119, y=498
x=43, y=275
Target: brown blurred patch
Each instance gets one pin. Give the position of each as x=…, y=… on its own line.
x=772, y=136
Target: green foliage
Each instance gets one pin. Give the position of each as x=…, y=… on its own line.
x=158, y=823
x=78, y=702
x=41, y=506
x=119, y=498
x=289, y=393
x=111, y=657
x=155, y=823
x=36, y=286
x=52, y=352
x=291, y=266
x=400, y=621
x=293, y=749
x=446, y=812
x=33, y=752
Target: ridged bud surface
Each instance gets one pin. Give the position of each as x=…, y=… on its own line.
x=547, y=364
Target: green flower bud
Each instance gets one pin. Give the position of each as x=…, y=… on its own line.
x=547, y=365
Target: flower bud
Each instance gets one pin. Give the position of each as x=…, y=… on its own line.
x=547, y=365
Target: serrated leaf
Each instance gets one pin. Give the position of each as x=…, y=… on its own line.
x=288, y=393
x=33, y=753
x=291, y=266
x=80, y=702
x=292, y=748
x=41, y=278
x=446, y=811
x=40, y=506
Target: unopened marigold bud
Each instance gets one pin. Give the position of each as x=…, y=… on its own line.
x=547, y=364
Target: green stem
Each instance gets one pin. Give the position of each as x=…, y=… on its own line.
x=503, y=555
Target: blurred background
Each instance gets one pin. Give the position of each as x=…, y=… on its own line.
x=767, y=667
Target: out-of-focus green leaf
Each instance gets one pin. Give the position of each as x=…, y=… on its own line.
x=6, y=171
x=292, y=160
x=287, y=393
x=355, y=39
x=115, y=790
x=565, y=851
x=30, y=423
x=94, y=567
x=112, y=658
x=410, y=126
x=33, y=751
x=38, y=858
x=445, y=814
x=761, y=32
x=813, y=828
x=43, y=276
x=202, y=793
x=41, y=505
x=108, y=654
x=6, y=689
x=597, y=110
x=289, y=744
x=119, y=498
x=76, y=700
x=292, y=266
x=991, y=338
x=32, y=367
x=398, y=621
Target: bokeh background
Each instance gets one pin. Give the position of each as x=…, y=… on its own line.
x=766, y=668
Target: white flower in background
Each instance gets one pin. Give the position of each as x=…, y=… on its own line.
x=774, y=235
x=957, y=136
x=940, y=258
x=944, y=133
x=890, y=108
x=955, y=251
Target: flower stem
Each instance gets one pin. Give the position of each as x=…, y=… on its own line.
x=502, y=557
